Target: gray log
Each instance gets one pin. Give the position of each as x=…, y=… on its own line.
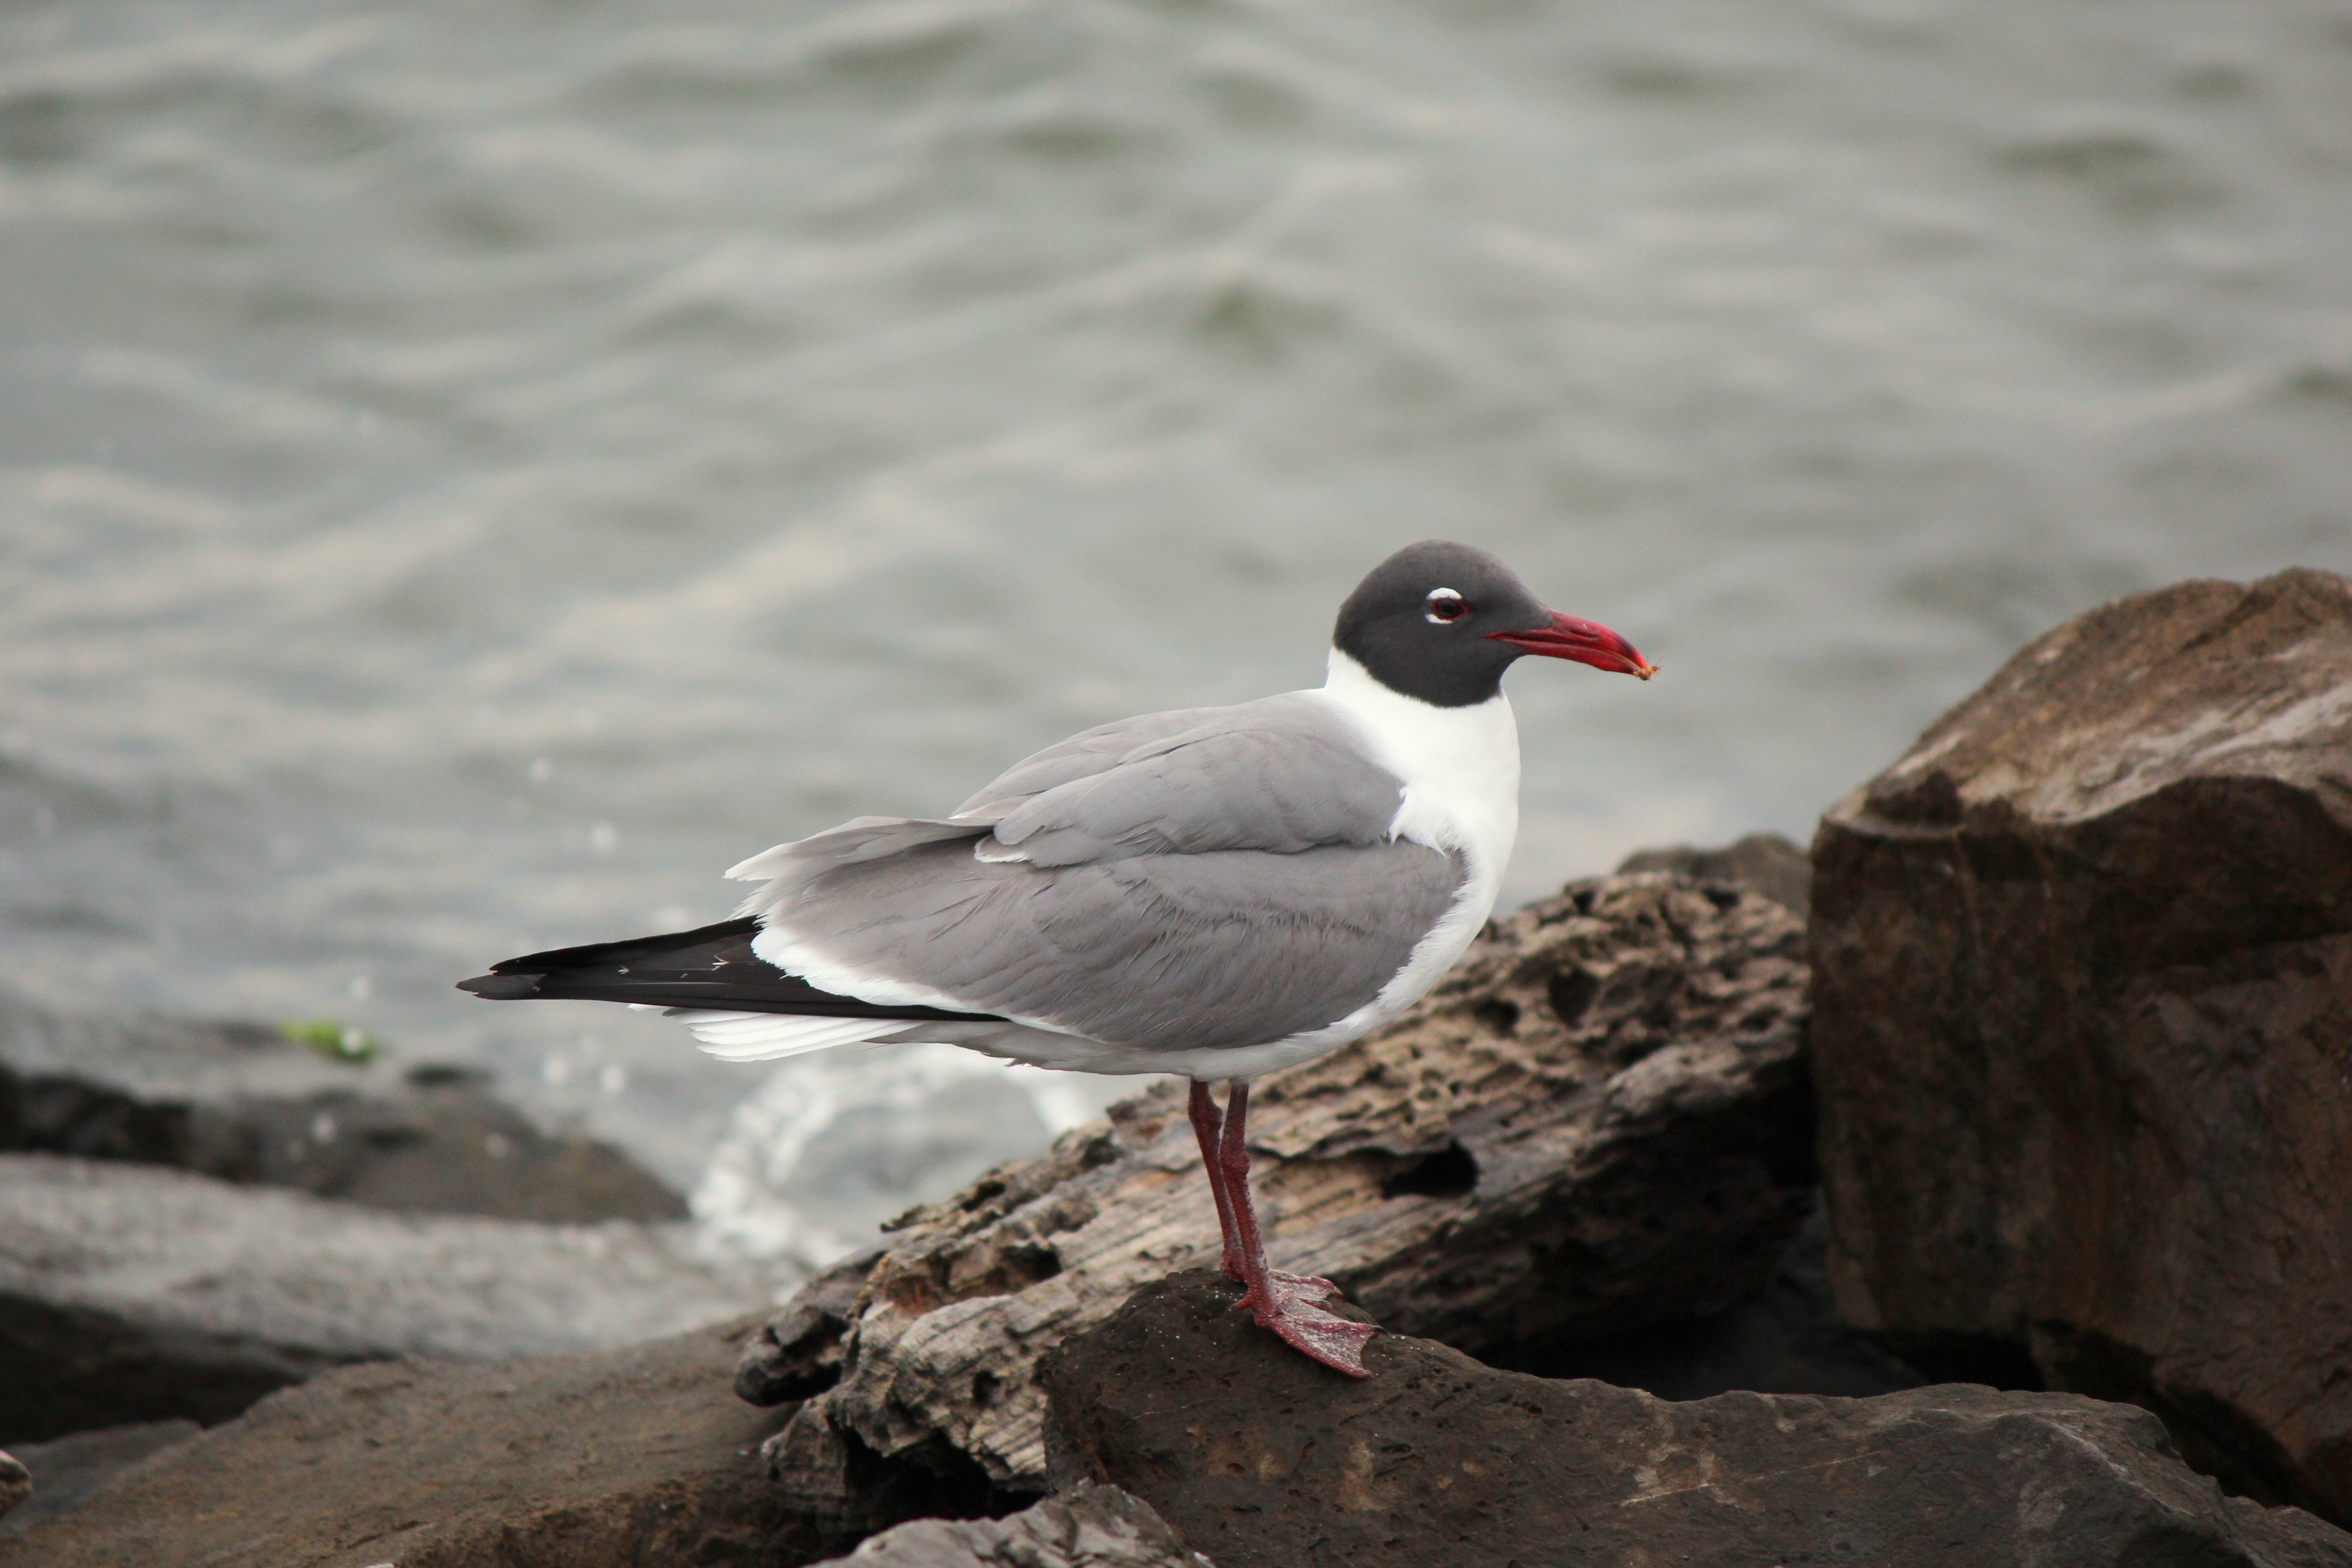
x=1087, y=1526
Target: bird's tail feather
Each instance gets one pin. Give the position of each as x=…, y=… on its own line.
x=737, y=1036
x=710, y=970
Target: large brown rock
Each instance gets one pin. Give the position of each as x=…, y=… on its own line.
x=2083, y=1027
x=638, y=1455
x=1262, y=1459
x=1599, y=1121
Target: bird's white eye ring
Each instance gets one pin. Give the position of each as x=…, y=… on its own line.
x=1445, y=607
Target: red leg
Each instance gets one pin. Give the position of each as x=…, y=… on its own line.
x=1206, y=1121
x=1289, y=1304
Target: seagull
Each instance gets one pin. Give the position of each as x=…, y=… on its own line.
x=1211, y=892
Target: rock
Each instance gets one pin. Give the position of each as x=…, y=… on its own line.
x=65, y=1471
x=2082, y=1028
x=1786, y=1339
x=134, y=1293
x=1258, y=1457
x=635, y=1455
x=237, y=1102
x=1088, y=1526
x=15, y=1483
x=1762, y=863
x=1599, y=1122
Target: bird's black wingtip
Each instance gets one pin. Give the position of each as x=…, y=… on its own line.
x=497, y=987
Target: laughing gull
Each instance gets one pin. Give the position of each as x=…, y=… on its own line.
x=1214, y=892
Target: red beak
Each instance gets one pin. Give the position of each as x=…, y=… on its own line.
x=1586, y=642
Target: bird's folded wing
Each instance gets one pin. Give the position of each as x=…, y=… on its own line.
x=1088, y=753
x=1283, y=775
x=1225, y=881
x=1235, y=947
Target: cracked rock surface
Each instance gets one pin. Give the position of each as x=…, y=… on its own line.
x=2083, y=1027
x=1262, y=1459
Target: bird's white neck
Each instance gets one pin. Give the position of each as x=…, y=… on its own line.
x=1459, y=766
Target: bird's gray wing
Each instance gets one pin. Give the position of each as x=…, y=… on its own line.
x=1228, y=881
x=1087, y=752
x=1283, y=775
x=1169, y=952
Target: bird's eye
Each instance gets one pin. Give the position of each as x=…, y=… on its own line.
x=1446, y=606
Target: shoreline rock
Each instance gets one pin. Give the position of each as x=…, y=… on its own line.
x=137, y=1293
x=1785, y=1339
x=63, y=1472
x=236, y=1101
x=1763, y=863
x=636, y=1455
x=2083, y=1027
x=1262, y=1459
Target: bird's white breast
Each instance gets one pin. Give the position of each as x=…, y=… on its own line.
x=1460, y=767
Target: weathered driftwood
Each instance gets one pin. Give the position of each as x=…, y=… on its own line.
x=1600, y=1120
x=1086, y=1526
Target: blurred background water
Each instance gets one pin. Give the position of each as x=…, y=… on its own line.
x=472, y=472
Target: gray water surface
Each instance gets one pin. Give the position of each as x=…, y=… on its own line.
x=470, y=473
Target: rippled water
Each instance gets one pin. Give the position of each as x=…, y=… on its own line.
x=473, y=472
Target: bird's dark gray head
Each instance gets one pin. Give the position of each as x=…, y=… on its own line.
x=1441, y=622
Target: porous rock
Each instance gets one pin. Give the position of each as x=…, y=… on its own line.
x=238, y=1101
x=635, y=1455
x=798, y=1352
x=1600, y=1120
x=1262, y=1459
x=2083, y=1027
x=135, y=1293
x=1087, y=1526
x=1765, y=863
